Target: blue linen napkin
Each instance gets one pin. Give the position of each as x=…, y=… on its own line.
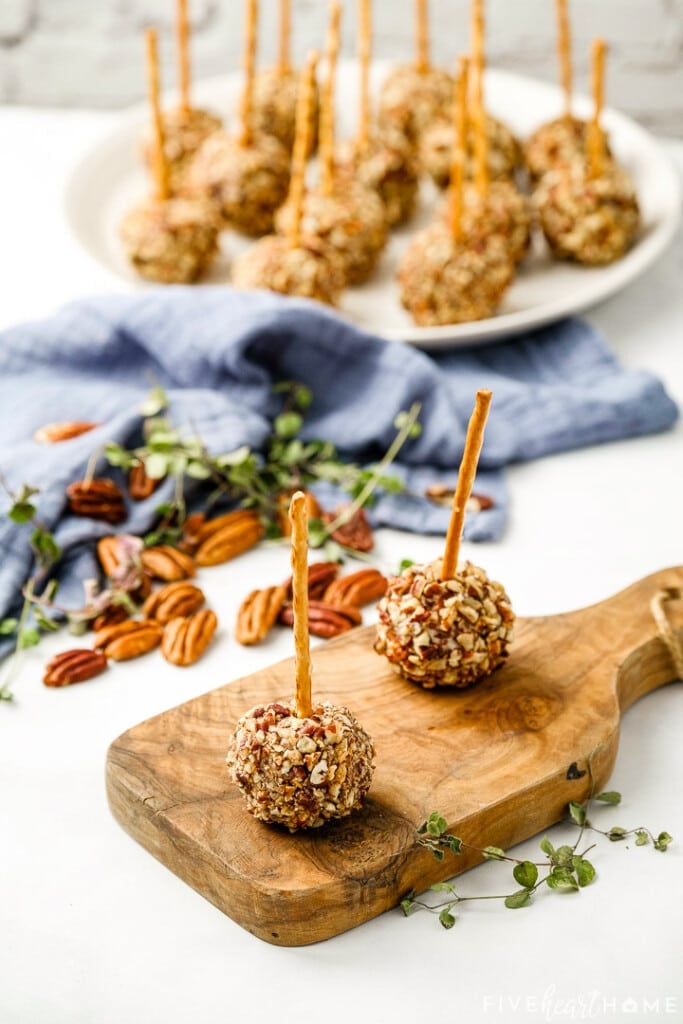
x=217, y=352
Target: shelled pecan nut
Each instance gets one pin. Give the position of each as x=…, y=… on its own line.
x=108, y=554
x=53, y=433
x=97, y=499
x=325, y=620
x=320, y=575
x=141, y=486
x=74, y=667
x=128, y=639
x=174, y=600
x=112, y=615
x=236, y=533
x=356, y=534
x=442, y=494
x=192, y=532
x=186, y=639
x=167, y=563
x=359, y=588
x=258, y=614
x=313, y=511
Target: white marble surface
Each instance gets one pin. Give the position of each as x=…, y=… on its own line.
x=95, y=931
x=66, y=52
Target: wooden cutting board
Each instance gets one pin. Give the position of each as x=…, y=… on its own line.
x=493, y=760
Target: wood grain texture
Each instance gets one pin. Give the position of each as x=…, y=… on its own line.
x=493, y=760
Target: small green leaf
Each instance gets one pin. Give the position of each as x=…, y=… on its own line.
x=235, y=458
x=198, y=470
x=421, y=829
x=609, y=797
x=443, y=887
x=28, y=638
x=518, y=899
x=446, y=919
x=46, y=548
x=663, y=841
x=437, y=854
x=563, y=856
x=118, y=456
x=577, y=812
x=585, y=872
x=561, y=878
x=49, y=625
x=493, y=853
x=22, y=512
x=288, y=424
x=616, y=834
x=156, y=466
x=547, y=846
x=8, y=626
x=642, y=837
x=407, y=906
x=454, y=844
x=436, y=824
x=156, y=402
x=405, y=563
x=526, y=874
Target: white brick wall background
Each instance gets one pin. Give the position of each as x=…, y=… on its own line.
x=88, y=52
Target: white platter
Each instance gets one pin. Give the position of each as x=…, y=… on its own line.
x=110, y=178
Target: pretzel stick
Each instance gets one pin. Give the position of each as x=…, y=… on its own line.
x=302, y=142
x=564, y=52
x=364, y=50
x=327, y=105
x=298, y=517
x=596, y=139
x=248, y=63
x=481, y=142
x=284, y=49
x=182, y=42
x=159, y=161
x=422, y=50
x=459, y=154
x=466, y=475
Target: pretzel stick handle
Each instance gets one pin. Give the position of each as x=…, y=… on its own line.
x=327, y=127
x=302, y=143
x=564, y=53
x=466, y=475
x=298, y=517
x=284, y=42
x=422, y=60
x=364, y=56
x=459, y=153
x=481, y=147
x=249, y=66
x=596, y=138
x=183, y=46
x=159, y=161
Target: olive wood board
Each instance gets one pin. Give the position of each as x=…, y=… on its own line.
x=494, y=760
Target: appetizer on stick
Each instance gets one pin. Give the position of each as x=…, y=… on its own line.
x=168, y=240
x=445, y=624
x=414, y=96
x=446, y=277
x=589, y=209
x=293, y=264
x=503, y=152
x=300, y=763
x=185, y=127
x=381, y=157
x=276, y=91
x=341, y=213
x=247, y=177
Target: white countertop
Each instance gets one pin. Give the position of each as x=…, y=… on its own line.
x=94, y=931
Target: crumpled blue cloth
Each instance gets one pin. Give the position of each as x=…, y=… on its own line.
x=218, y=353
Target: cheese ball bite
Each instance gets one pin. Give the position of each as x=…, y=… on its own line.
x=412, y=101
x=503, y=211
x=444, y=633
x=386, y=164
x=310, y=269
x=591, y=220
x=170, y=241
x=301, y=772
x=274, y=107
x=448, y=281
x=184, y=132
x=247, y=182
x=555, y=146
x=436, y=147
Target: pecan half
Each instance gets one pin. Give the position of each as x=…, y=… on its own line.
x=53, y=433
x=228, y=536
x=313, y=510
x=74, y=667
x=258, y=614
x=167, y=563
x=186, y=639
x=172, y=601
x=141, y=486
x=108, y=554
x=128, y=639
x=320, y=575
x=356, y=534
x=442, y=494
x=98, y=499
x=111, y=615
x=359, y=588
x=192, y=528
x=325, y=620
